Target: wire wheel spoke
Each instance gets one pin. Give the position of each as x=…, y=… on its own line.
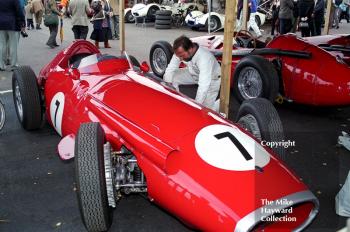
x=159, y=60
x=19, y=105
x=250, y=83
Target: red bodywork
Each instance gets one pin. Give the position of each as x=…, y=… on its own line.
x=322, y=80
x=162, y=127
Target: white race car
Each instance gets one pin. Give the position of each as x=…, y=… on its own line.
x=141, y=10
x=197, y=20
x=176, y=8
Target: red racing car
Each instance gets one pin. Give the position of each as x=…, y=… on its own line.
x=313, y=71
x=130, y=133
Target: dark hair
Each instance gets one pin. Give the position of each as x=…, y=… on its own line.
x=184, y=42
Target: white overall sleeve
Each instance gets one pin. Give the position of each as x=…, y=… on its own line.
x=171, y=69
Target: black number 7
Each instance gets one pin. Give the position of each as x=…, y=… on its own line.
x=233, y=139
x=57, y=103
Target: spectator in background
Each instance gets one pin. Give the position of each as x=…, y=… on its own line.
x=274, y=20
x=344, y=11
x=22, y=4
x=239, y=15
x=38, y=9
x=79, y=9
x=12, y=20
x=285, y=16
x=115, y=18
x=305, y=21
x=347, y=3
x=334, y=17
x=51, y=8
x=318, y=15
x=101, y=23
x=64, y=4
x=295, y=16
x=253, y=4
x=29, y=15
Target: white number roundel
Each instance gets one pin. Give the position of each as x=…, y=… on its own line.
x=56, y=111
x=228, y=148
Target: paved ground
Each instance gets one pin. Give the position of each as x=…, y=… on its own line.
x=37, y=188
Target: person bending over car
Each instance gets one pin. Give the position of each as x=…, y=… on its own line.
x=202, y=68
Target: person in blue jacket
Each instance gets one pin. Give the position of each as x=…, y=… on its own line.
x=12, y=21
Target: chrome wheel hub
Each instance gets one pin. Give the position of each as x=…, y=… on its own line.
x=159, y=60
x=109, y=174
x=249, y=83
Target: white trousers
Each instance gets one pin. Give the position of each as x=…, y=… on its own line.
x=253, y=24
x=8, y=42
x=183, y=77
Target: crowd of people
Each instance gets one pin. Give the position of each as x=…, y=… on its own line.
x=306, y=15
x=17, y=16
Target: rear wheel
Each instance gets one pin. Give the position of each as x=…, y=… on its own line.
x=160, y=55
x=260, y=118
x=214, y=24
x=254, y=77
x=129, y=18
x=26, y=97
x=152, y=11
x=90, y=178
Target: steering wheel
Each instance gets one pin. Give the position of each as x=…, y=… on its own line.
x=245, y=39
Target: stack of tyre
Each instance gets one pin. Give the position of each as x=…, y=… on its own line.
x=163, y=19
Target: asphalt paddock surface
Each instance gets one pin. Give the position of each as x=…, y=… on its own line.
x=37, y=188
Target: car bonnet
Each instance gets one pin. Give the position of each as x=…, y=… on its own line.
x=223, y=169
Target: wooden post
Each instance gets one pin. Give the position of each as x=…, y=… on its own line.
x=121, y=26
x=230, y=21
x=245, y=15
x=209, y=18
x=328, y=14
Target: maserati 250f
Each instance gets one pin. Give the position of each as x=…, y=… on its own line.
x=130, y=133
x=313, y=70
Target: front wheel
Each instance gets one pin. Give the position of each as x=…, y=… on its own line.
x=260, y=118
x=90, y=178
x=160, y=55
x=26, y=97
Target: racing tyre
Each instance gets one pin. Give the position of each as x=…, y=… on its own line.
x=129, y=18
x=160, y=26
x=90, y=178
x=163, y=17
x=164, y=13
x=215, y=23
x=254, y=77
x=160, y=56
x=134, y=61
x=163, y=22
x=26, y=97
x=260, y=118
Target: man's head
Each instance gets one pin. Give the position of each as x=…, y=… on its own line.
x=184, y=48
